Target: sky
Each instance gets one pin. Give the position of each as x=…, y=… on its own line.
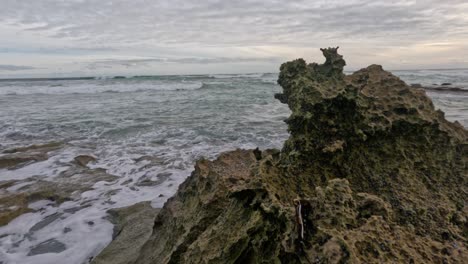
x=52, y=38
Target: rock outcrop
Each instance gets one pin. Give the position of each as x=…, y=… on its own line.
x=371, y=173
x=132, y=228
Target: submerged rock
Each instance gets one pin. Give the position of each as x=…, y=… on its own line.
x=45, y=222
x=15, y=161
x=371, y=173
x=50, y=146
x=15, y=158
x=146, y=180
x=12, y=206
x=68, y=185
x=49, y=246
x=446, y=89
x=83, y=160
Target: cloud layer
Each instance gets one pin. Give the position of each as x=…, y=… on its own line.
x=401, y=34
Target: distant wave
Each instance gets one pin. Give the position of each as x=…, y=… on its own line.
x=110, y=91
x=446, y=89
x=147, y=77
x=95, y=88
x=169, y=77
x=47, y=79
x=206, y=86
x=199, y=77
x=235, y=76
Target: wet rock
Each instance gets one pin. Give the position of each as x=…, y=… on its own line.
x=15, y=161
x=12, y=206
x=44, y=148
x=7, y=184
x=45, y=222
x=15, y=158
x=152, y=160
x=446, y=84
x=69, y=185
x=146, y=180
x=143, y=158
x=126, y=182
x=416, y=85
x=74, y=209
x=132, y=228
x=83, y=160
x=49, y=246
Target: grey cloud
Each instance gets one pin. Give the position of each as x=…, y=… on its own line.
x=56, y=50
x=212, y=32
x=109, y=63
x=240, y=23
x=16, y=68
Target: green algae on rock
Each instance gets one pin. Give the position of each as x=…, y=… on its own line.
x=371, y=173
x=383, y=136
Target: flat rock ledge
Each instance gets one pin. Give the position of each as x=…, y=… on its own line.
x=132, y=228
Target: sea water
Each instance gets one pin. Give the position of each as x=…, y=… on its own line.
x=176, y=119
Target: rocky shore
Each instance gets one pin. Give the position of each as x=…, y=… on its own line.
x=69, y=184
x=371, y=173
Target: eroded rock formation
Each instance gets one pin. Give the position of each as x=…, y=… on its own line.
x=371, y=173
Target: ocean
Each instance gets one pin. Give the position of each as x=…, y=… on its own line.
x=143, y=129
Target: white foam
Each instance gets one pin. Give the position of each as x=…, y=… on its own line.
x=96, y=86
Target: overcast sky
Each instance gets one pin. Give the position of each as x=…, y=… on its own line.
x=128, y=37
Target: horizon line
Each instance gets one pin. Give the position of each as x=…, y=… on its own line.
x=120, y=76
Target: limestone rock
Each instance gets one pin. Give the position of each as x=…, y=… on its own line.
x=222, y=213
x=133, y=226
x=371, y=173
